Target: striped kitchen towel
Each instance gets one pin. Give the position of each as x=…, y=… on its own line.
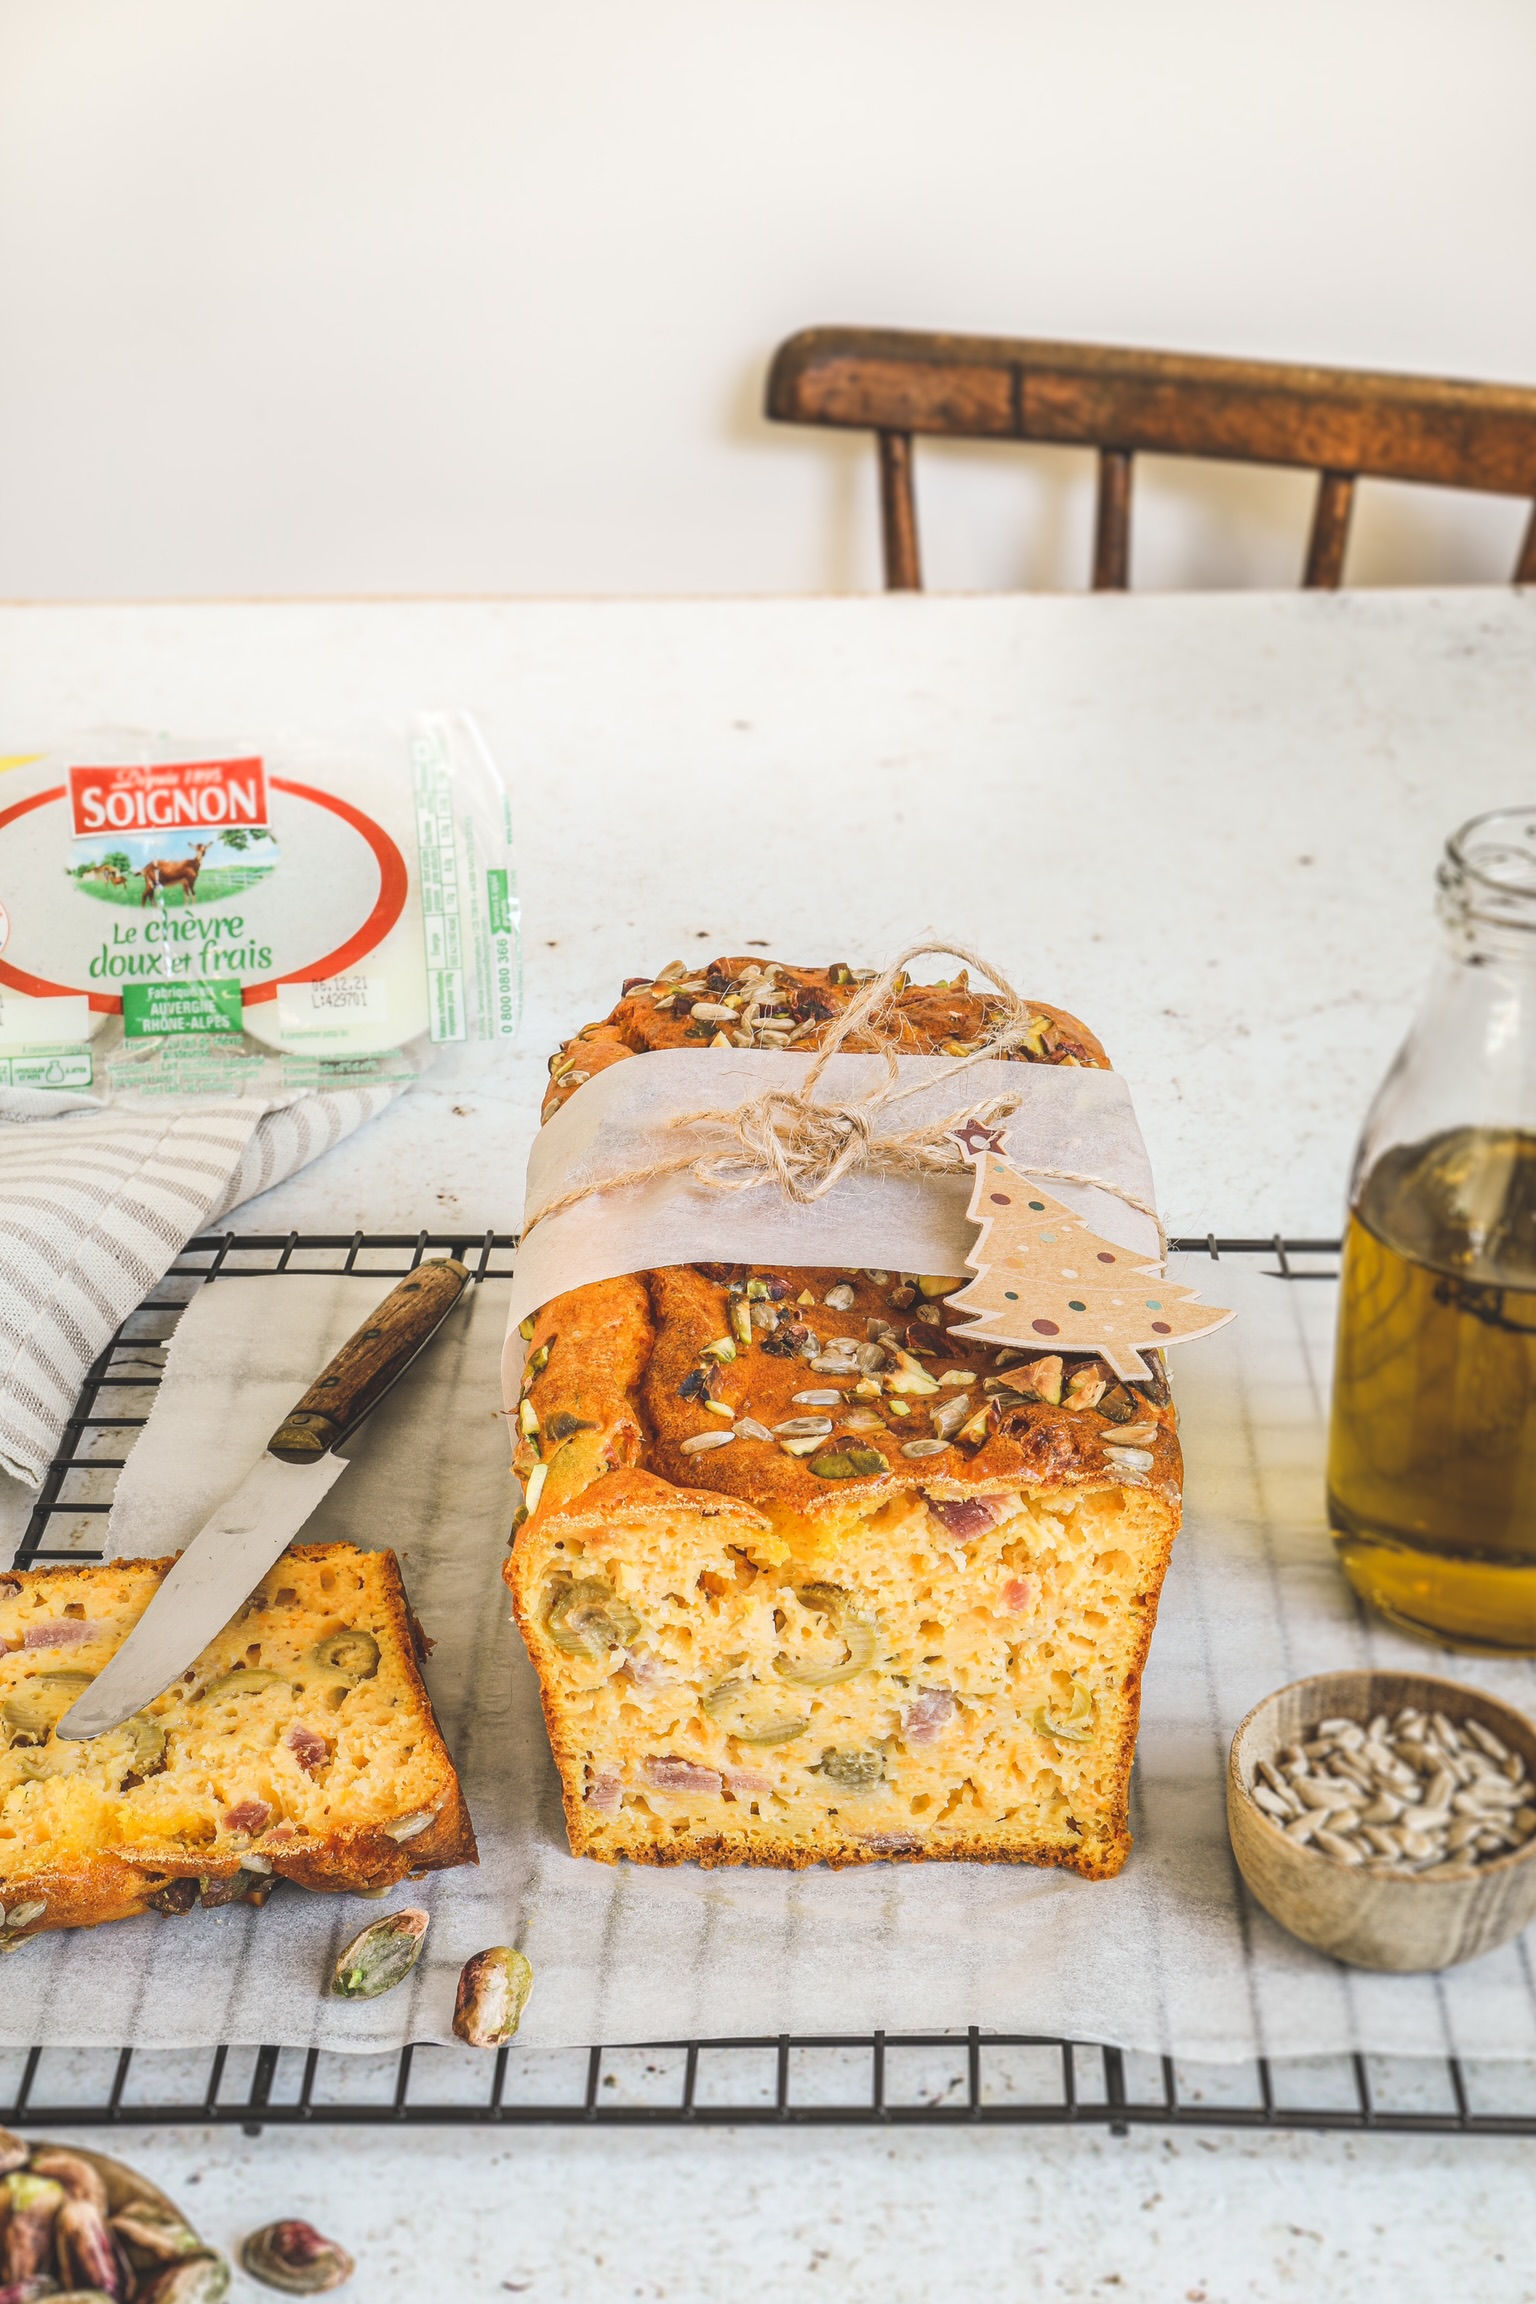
x=95, y=1205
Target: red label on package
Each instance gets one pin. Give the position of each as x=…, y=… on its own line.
x=168, y=796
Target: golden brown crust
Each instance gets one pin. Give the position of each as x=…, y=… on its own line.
x=931, y=1019
x=623, y=1374
x=133, y=1860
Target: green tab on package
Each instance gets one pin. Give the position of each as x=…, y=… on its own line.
x=499, y=903
x=155, y=1011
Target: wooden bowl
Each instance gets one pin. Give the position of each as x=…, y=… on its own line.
x=1366, y=1918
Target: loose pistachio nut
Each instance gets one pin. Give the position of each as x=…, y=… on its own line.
x=493, y=1992
x=587, y=1618
x=354, y=1652
x=32, y=1711
x=381, y=1955
x=293, y=2257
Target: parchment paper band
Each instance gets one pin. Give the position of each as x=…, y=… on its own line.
x=1067, y=1118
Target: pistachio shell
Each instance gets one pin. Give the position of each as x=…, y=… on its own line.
x=13, y=2153
x=381, y=1955
x=493, y=1992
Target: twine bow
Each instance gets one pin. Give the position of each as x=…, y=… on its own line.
x=786, y=1137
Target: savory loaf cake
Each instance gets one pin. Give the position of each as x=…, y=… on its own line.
x=805, y=1576
x=301, y=1745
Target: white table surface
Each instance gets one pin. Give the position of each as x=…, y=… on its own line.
x=1209, y=826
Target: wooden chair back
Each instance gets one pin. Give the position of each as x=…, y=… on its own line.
x=1344, y=424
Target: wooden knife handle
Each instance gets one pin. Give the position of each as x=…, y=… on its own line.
x=368, y=1363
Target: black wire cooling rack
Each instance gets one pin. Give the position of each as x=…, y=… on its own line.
x=985, y=2079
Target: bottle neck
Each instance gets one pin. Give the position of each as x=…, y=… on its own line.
x=1486, y=890
x=1469, y=1061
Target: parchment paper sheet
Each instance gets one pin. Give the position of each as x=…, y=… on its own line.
x=1171, y=1956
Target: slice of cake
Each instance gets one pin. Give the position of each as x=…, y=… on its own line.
x=301, y=1745
x=805, y=1576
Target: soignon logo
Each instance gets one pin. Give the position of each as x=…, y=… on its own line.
x=168, y=796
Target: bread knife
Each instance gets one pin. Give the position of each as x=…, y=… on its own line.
x=233, y=1550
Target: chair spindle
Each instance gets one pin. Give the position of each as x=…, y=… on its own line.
x=1330, y=531
x=1112, y=524
x=898, y=514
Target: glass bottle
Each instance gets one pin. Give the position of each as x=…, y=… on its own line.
x=1432, y=1454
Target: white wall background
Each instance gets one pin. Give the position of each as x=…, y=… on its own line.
x=477, y=295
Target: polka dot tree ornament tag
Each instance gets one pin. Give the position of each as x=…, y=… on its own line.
x=1043, y=1279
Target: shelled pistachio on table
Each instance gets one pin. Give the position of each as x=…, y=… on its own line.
x=493, y=1992
x=381, y=1955
x=60, y=2240
x=294, y=2258
x=1417, y=1795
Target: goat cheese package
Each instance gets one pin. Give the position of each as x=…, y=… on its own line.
x=230, y=916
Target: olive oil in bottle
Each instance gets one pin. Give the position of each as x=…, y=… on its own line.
x=1432, y=1458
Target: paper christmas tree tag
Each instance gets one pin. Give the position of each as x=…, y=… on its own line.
x=1043, y=1279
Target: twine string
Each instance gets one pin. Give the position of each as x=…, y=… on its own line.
x=786, y=1137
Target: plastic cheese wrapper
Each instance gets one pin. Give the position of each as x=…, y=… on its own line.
x=234, y=916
